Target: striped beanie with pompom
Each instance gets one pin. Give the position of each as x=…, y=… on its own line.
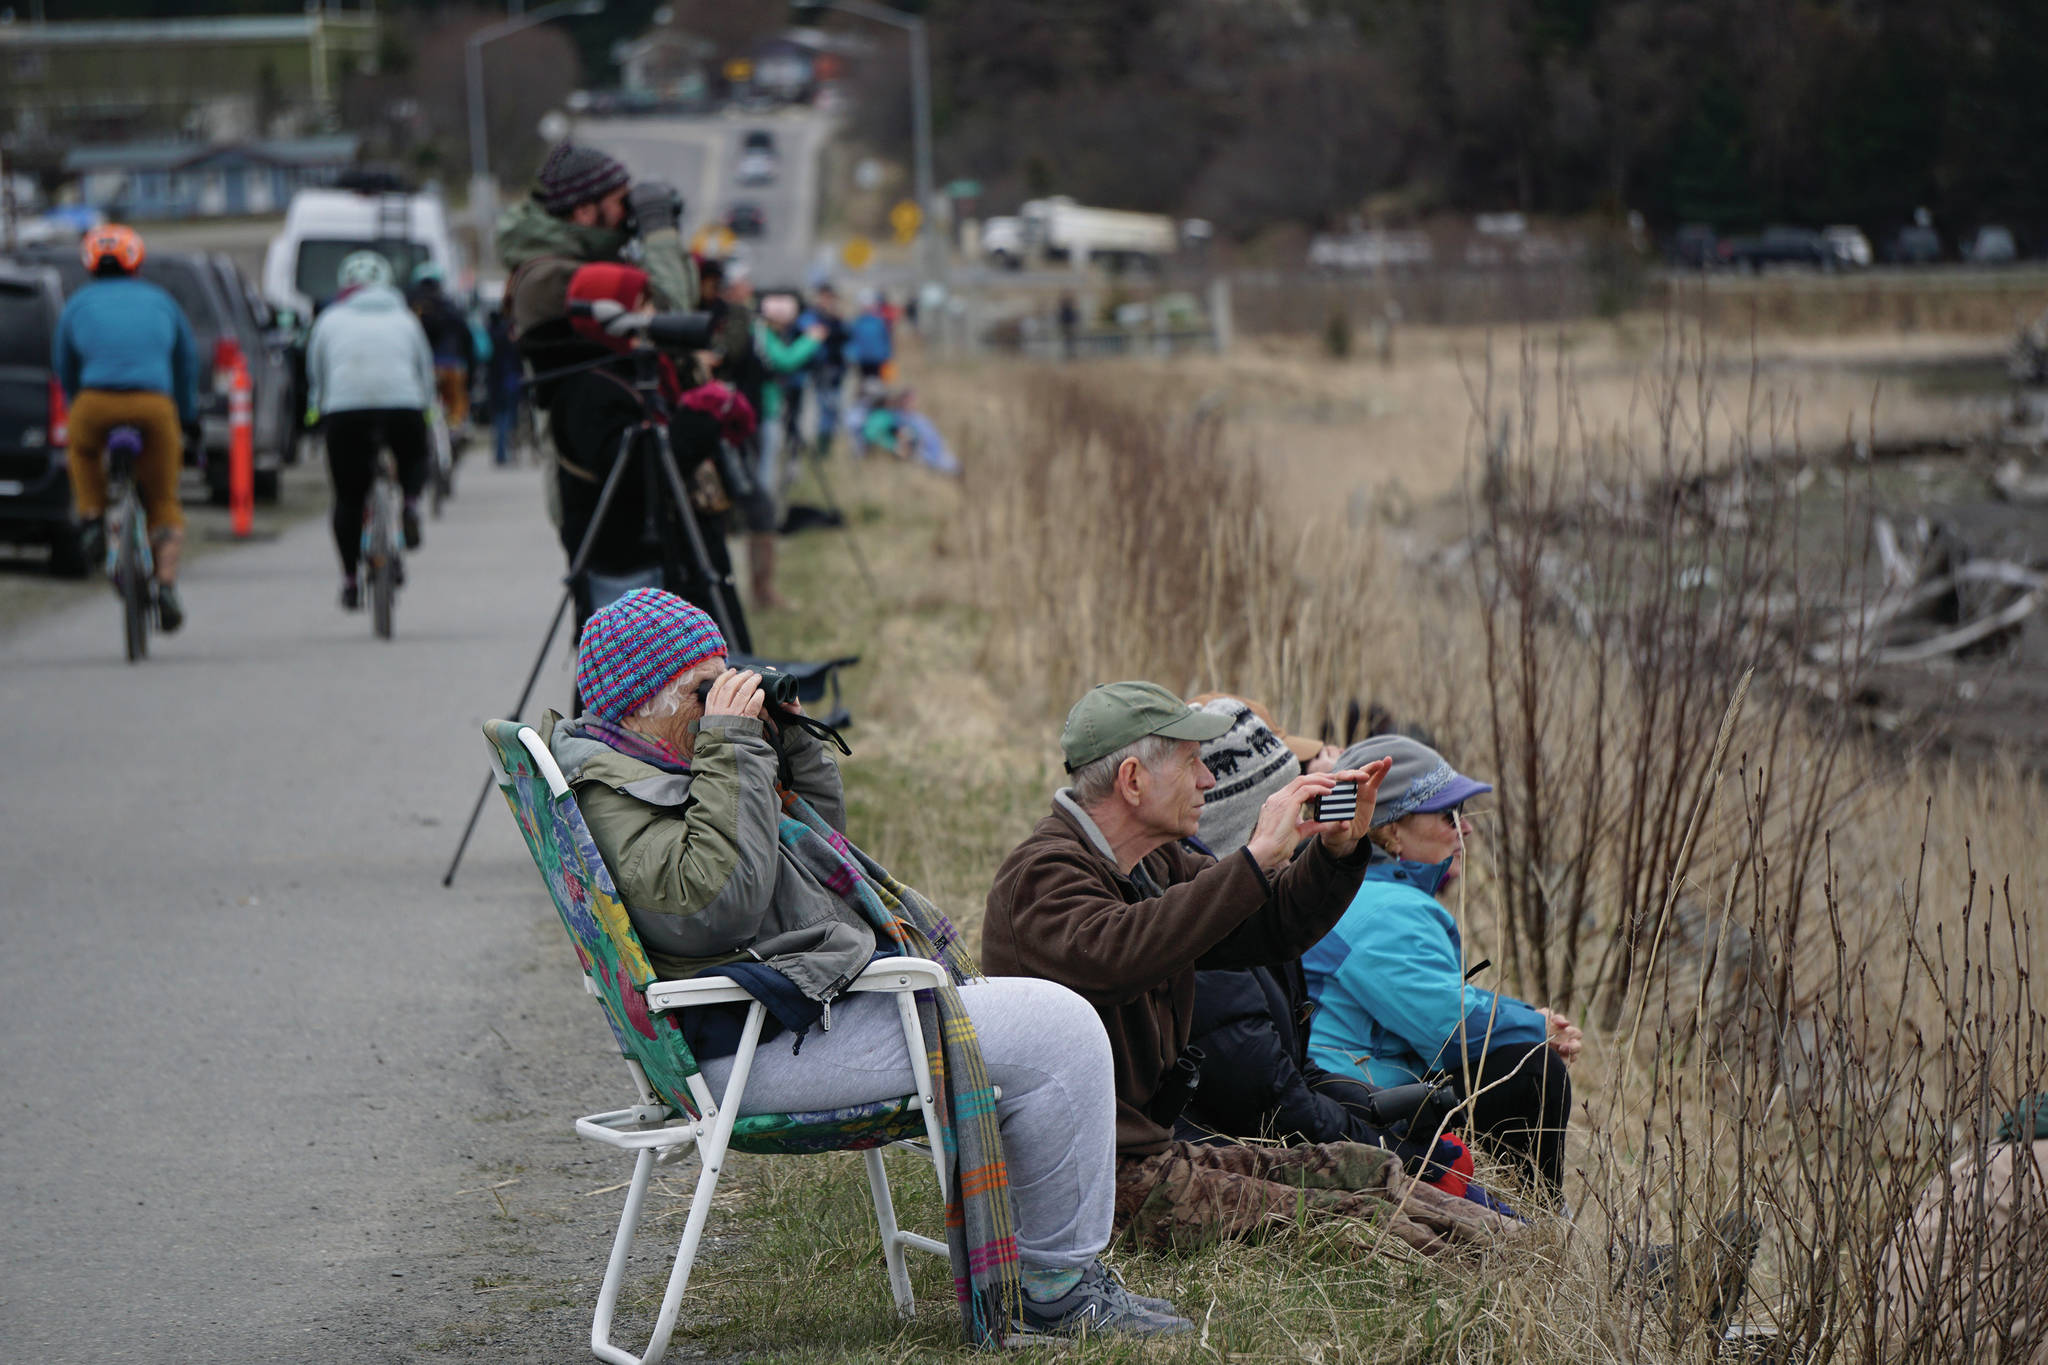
x=634, y=647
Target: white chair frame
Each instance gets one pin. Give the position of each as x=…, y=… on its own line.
x=656, y=1136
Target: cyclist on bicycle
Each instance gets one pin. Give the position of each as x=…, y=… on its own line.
x=370, y=381
x=449, y=337
x=124, y=356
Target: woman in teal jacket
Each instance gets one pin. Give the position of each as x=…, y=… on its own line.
x=1388, y=982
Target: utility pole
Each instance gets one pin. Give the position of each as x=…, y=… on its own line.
x=934, y=262
x=483, y=189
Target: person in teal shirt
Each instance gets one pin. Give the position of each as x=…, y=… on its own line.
x=125, y=357
x=1392, y=1004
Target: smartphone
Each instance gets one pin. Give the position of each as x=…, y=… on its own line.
x=1340, y=804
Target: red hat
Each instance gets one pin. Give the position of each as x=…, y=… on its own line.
x=604, y=282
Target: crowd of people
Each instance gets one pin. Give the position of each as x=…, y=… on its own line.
x=405, y=365
x=594, y=256
x=1182, y=1009
x=1209, y=1012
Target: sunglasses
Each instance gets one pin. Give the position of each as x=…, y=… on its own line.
x=1453, y=814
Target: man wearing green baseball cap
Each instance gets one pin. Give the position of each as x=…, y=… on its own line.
x=1113, y=897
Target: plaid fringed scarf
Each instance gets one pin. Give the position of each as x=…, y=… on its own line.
x=981, y=1228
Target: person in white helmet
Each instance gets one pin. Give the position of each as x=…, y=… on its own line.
x=370, y=381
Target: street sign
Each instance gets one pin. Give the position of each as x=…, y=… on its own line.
x=905, y=218
x=857, y=252
x=963, y=189
x=713, y=240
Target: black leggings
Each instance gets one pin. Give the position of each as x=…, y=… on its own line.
x=1525, y=1105
x=354, y=440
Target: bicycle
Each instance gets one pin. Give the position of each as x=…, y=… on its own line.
x=441, y=449
x=131, y=567
x=383, y=557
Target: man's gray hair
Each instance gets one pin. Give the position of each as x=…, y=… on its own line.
x=1092, y=783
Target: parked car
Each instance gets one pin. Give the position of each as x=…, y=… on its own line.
x=1993, y=245
x=757, y=163
x=1695, y=246
x=1791, y=246
x=1914, y=245
x=35, y=489
x=1851, y=247
x=213, y=293
x=744, y=219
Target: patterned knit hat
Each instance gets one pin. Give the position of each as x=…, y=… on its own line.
x=575, y=175
x=634, y=647
x=1249, y=762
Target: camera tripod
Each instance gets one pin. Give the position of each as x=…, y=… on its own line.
x=645, y=443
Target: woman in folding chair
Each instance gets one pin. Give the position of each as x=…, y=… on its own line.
x=723, y=826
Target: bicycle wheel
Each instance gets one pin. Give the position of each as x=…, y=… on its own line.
x=440, y=450
x=383, y=567
x=131, y=580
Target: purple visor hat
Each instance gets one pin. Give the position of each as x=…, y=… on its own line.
x=1420, y=780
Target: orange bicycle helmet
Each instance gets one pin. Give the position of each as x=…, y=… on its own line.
x=113, y=243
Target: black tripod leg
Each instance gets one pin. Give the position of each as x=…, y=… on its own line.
x=604, y=502
x=860, y=561
x=714, y=585
x=526, y=694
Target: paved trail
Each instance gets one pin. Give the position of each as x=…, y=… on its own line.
x=260, y=1066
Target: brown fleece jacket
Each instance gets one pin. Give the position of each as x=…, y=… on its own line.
x=1061, y=910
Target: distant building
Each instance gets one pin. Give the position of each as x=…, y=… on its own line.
x=667, y=63
x=217, y=78
x=151, y=181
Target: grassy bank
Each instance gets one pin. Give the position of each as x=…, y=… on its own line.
x=1805, y=965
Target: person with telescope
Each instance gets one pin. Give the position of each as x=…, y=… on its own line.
x=565, y=245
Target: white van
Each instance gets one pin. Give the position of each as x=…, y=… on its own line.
x=323, y=227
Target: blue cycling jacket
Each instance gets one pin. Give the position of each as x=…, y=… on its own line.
x=130, y=336
x=868, y=342
x=1392, y=1005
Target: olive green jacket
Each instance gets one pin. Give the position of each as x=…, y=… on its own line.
x=543, y=251
x=698, y=859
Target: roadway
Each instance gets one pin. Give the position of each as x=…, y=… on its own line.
x=700, y=156
x=262, y=1070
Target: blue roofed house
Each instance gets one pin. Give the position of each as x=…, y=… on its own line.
x=154, y=181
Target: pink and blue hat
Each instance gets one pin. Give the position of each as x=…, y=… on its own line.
x=635, y=646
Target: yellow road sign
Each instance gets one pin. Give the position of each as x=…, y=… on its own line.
x=905, y=218
x=712, y=241
x=857, y=252
x=739, y=69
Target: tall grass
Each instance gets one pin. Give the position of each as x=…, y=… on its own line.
x=1806, y=993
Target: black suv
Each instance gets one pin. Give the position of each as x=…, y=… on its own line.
x=35, y=488
x=216, y=300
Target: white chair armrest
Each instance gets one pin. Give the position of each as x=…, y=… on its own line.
x=700, y=990
x=894, y=974
x=900, y=974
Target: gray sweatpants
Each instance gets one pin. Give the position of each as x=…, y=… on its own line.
x=1044, y=1047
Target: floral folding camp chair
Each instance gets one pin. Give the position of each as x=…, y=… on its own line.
x=676, y=1109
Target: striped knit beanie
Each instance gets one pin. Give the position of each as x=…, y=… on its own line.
x=1249, y=763
x=634, y=647
x=575, y=175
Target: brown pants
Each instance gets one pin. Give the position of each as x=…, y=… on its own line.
x=96, y=413
x=1192, y=1195
x=453, y=386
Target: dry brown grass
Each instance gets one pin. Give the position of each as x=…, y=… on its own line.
x=1329, y=439
x=1108, y=528
x=1813, y=1079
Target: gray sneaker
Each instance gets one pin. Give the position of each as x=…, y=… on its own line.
x=1099, y=1304
x=1164, y=1306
